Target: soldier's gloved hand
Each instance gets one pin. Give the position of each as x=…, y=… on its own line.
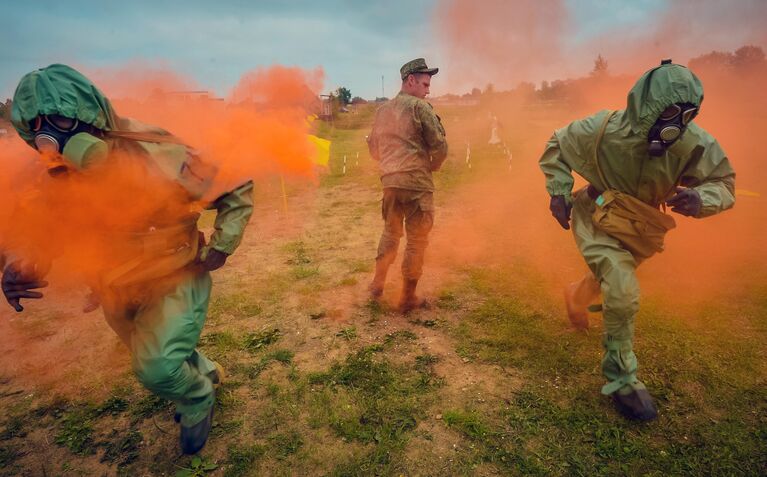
x=18, y=283
x=686, y=202
x=560, y=209
x=214, y=260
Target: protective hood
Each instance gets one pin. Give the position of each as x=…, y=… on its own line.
x=658, y=89
x=59, y=89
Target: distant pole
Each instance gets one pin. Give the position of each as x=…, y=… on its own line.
x=382, y=88
x=284, y=195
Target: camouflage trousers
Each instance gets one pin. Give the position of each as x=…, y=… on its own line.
x=412, y=212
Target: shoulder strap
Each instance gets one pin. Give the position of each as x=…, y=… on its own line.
x=598, y=140
x=146, y=137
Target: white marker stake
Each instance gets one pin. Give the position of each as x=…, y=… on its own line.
x=468, y=153
x=357, y=161
x=344, y=173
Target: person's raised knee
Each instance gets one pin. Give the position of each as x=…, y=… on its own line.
x=159, y=375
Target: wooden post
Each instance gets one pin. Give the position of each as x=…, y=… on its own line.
x=284, y=195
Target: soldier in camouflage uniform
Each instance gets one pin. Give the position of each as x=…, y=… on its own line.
x=408, y=141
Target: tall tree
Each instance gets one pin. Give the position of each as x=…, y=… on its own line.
x=344, y=95
x=600, y=66
x=5, y=109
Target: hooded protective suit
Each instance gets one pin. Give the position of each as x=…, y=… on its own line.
x=156, y=296
x=695, y=161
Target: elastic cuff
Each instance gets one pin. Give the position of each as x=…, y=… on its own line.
x=614, y=386
x=191, y=414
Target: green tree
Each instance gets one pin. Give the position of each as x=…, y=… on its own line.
x=748, y=56
x=344, y=95
x=600, y=66
x=5, y=110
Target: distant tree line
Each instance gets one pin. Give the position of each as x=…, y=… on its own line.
x=5, y=110
x=743, y=59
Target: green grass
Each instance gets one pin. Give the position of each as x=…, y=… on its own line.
x=14, y=428
x=259, y=340
x=76, y=430
x=388, y=396
x=197, y=467
x=348, y=333
x=708, y=390
x=238, y=305
x=123, y=448
x=8, y=456
x=148, y=406
x=282, y=356
x=244, y=460
x=302, y=272
x=285, y=444
x=378, y=403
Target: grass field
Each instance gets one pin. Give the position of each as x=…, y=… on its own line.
x=322, y=381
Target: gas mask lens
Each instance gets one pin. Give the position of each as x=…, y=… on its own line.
x=688, y=114
x=57, y=122
x=671, y=112
x=46, y=143
x=61, y=123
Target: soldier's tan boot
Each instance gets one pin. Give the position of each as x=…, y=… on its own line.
x=409, y=300
x=376, y=287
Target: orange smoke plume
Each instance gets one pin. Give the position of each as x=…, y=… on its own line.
x=501, y=42
x=83, y=221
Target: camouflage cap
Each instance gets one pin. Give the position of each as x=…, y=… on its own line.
x=417, y=65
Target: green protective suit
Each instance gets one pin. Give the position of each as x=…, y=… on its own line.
x=157, y=300
x=695, y=160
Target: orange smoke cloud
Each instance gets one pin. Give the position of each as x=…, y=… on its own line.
x=503, y=42
x=508, y=42
x=260, y=129
x=506, y=217
x=501, y=216
x=84, y=221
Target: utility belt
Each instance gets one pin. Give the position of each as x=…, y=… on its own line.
x=640, y=227
x=156, y=253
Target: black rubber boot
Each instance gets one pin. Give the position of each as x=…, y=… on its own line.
x=376, y=287
x=409, y=301
x=193, y=438
x=638, y=405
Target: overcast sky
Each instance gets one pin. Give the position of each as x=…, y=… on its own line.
x=215, y=42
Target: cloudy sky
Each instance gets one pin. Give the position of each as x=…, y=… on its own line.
x=214, y=42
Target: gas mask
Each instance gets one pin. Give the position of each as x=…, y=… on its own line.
x=66, y=143
x=669, y=127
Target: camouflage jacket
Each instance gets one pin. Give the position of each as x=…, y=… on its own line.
x=408, y=141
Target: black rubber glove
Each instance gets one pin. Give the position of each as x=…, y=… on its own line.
x=560, y=209
x=214, y=260
x=685, y=202
x=17, y=285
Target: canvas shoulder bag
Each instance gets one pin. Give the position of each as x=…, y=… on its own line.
x=640, y=227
